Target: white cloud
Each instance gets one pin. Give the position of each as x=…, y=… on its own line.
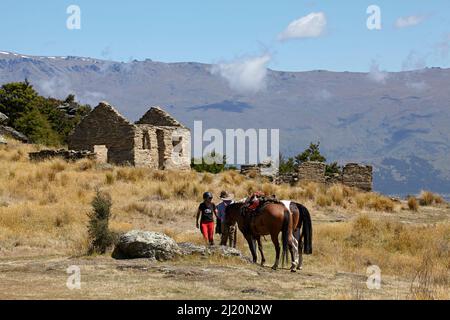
x=409, y=21
x=414, y=61
x=106, y=52
x=323, y=95
x=244, y=75
x=56, y=87
x=376, y=74
x=61, y=87
x=417, y=86
x=442, y=48
x=311, y=26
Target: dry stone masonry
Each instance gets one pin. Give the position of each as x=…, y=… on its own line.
x=68, y=155
x=312, y=172
x=353, y=175
x=156, y=141
x=358, y=176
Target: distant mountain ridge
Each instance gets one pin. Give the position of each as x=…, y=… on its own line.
x=398, y=122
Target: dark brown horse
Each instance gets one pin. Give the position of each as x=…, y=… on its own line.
x=271, y=219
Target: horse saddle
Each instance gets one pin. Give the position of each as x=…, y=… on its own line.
x=254, y=208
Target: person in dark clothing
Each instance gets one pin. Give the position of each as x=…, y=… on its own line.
x=206, y=212
x=228, y=232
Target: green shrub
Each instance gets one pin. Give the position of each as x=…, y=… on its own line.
x=212, y=163
x=99, y=234
x=41, y=119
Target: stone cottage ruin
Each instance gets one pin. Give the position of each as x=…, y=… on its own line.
x=353, y=175
x=156, y=141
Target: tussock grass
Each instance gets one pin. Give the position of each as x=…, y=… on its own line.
x=413, y=204
x=428, y=198
x=419, y=253
x=45, y=206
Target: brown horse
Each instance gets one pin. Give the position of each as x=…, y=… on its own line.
x=271, y=219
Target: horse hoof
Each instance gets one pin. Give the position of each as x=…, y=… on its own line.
x=293, y=270
x=299, y=268
x=274, y=268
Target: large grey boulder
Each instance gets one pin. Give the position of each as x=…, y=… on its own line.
x=146, y=244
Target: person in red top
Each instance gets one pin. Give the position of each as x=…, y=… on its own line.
x=206, y=212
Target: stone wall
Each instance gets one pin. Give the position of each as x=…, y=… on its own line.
x=289, y=178
x=177, y=148
x=353, y=175
x=156, y=141
x=250, y=171
x=146, y=147
x=264, y=169
x=104, y=126
x=358, y=176
x=102, y=153
x=158, y=117
x=312, y=172
x=155, y=147
x=68, y=155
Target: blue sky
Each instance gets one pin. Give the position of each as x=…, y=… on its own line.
x=213, y=31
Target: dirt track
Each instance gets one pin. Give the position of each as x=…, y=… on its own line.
x=197, y=278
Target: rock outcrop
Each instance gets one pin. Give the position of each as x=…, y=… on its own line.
x=8, y=131
x=146, y=244
x=3, y=118
x=158, y=246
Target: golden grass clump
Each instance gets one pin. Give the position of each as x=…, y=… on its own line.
x=109, y=178
x=336, y=193
x=381, y=203
x=159, y=175
x=374, y=201
x=310, y=191
x=323, y=200
x=428, y=198
x=207, y=178
x=413, y=204
x=232, y=177
x=395, y=247
x=430, y=281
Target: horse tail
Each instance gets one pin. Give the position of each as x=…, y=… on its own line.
x=285, y=236
x=307, y=228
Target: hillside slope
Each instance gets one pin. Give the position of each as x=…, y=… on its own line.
x=398, y=123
